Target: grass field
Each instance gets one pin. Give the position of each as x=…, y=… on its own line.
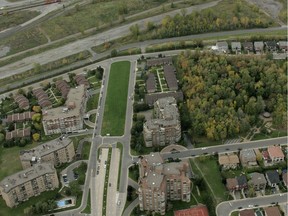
x=210, y=171
x=116, y=99
x=9, y=160
x=10, y=20
x=87, y=210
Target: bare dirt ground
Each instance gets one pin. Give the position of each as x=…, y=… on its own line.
x=271, y=7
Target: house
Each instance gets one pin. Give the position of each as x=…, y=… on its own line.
x=258, y=46
x=81, y=80
x=151, y=83
x=150, y=99
x=231, y=184
x=284, y=178
x=159, y=61
x=222, y=46
x=272, y=211
x=275, y=153
x=199, y=210
x=230, y=161
x=22, y=101
x=236, y=46
x=247, y=212
x=265, y=156
x=258, y=181
x=18, y=133
x=283, y=45
x=42, y=98
x=63, y=87
x=20, y=117
x=248, y=157
x=271, y=46
x=170, y=77
x=272, y=177
x=248, y=46
x=242, y=182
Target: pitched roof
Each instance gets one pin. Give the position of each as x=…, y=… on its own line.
x=242, y=181
x=159, y=61
x=258, y=178
x=150, y=99
x=231, y=183
x=200, y=210
x=150, y=82
x=273, y=176
x=284, y=177
x=247, y=212
x=170, y=76
x=228, y=159
x=272, y=211
x=275, y=151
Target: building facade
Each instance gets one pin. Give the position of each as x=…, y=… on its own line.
x=31, y=182
x=69, y=118
x=165, y=128
x=55, y=152
x=159, y=182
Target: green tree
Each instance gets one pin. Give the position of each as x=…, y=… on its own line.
x=75, y=188
x=114, y=53
x=134, y=29
x=36, y=137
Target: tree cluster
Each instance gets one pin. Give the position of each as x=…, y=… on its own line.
x=226, y=95
x=235, y=17
x=137, y=139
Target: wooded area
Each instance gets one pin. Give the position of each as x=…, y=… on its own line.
x=226, y=94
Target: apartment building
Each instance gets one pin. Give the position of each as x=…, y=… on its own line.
x=165, y=128
x=69, y=118
x=159, y=182
x=55, y=152
x=31, y=182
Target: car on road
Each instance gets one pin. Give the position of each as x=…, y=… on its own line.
x=97, y=172
x=203, y=148
x=76, y=175
x=119, y=202
x=65, y=178
x=109, y=184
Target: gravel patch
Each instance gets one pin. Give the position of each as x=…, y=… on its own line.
x=4, y=50
x=272, y=7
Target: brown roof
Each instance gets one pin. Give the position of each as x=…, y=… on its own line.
x=22, y=101
x=247, y=212
x=231, y=183
x=272, y=211
x=275, y=151
x=18, y=133
x=150, y=99
x=63, y=87
x=42, y=97
x=170, y=76
x=151, y=83
x=228, y=159
x=81, y=80
x=200, y=210
x=284, y=177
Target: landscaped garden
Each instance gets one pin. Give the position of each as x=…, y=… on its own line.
x=116, y=99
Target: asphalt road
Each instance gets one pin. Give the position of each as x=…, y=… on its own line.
x=115, y=33
x=225, y=208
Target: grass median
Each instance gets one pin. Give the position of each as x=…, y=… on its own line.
x=116, y=99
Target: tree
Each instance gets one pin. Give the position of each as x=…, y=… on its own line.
x=2, y=137
x=36, y=137
x=75, y=188
x=36, y=109
x=134, y=29
x=114, y=53
x=36, y=117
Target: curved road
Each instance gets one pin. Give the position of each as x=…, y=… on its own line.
x=225, y=208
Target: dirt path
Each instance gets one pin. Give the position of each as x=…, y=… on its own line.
x=271, y=8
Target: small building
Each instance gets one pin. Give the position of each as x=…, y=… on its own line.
x=222, y=46
x=258, y=181
x=236, y=46
x=81, y=80
x=150, y=99
x=151, y=83
x=230, y=161
x=42, y=98
x=18, y=133
x=63, y=87
x=258, y=46
x=20, y=117
x=247, y=212
x=272, y=211
x=231, y=184
x=248, y=46
x=248, y=157
x=272, y=177
x=271, y=46
x=283, y=45
x=199, y=210
x=242, y=182
x=159, y=61
x=276, y=154
x=22, y=101
x=170, y=77
x=266, y=157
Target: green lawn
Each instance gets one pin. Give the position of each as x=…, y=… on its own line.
x=273, y=134
x=87, y=210
x=116, y=99
x=92, y=102
x=86, y=150
x=9, y=160
x=19, y=210
x=120, y=146
x=210, y=170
